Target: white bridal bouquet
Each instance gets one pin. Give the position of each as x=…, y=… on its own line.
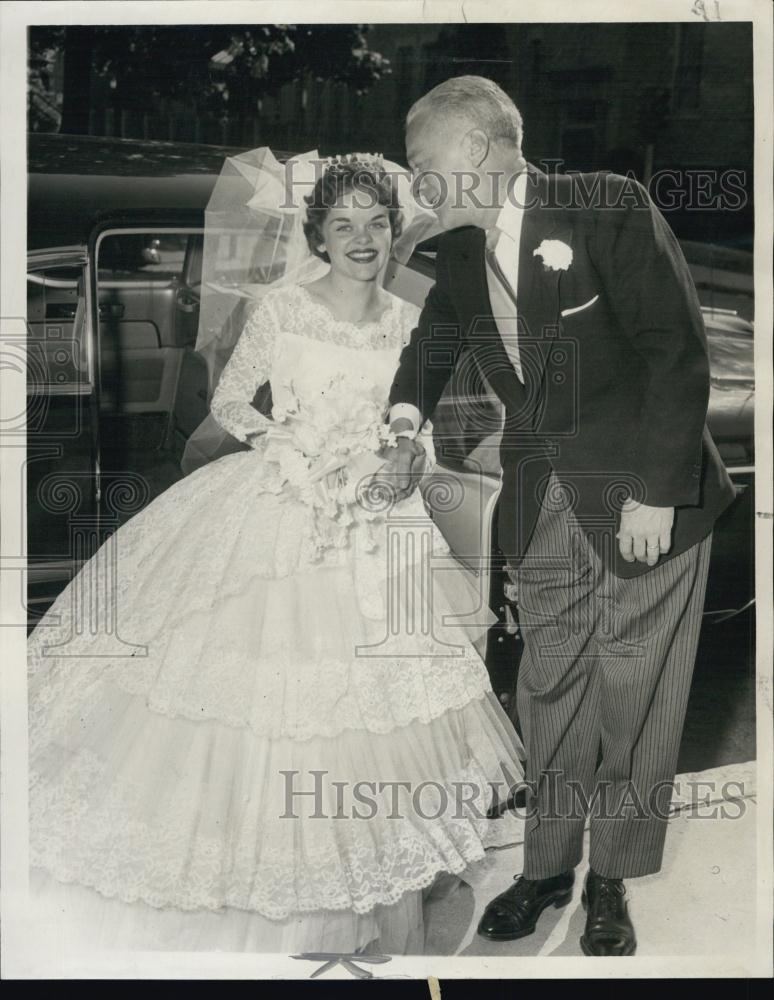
x=330, y=451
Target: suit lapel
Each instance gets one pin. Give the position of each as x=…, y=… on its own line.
x=538, y=291
x=537, y=295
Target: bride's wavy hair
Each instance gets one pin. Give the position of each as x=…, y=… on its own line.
x=340, y=179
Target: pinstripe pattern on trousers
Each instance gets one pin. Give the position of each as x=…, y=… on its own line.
x=607, y=666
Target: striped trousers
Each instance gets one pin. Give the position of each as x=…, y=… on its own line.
x=601, y=697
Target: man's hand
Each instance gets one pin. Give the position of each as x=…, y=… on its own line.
x=646, y=532
x=404, y=467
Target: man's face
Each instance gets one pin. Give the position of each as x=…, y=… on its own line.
x=442, y=170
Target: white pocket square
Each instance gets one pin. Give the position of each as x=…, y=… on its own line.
x=577, y=309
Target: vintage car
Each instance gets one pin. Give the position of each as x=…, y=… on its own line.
x=115, y=385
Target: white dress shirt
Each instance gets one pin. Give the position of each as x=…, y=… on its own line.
x=504, y=238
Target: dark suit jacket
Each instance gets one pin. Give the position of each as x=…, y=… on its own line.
x=616, y=390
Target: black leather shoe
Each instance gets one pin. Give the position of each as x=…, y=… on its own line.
x=609, y=930
x=514, y=913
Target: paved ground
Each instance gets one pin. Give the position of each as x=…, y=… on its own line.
x=702, y=902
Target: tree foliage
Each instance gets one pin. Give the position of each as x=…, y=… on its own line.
x=43, y=104
x=216, y=69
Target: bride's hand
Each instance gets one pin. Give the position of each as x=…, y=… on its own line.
x=404, y=467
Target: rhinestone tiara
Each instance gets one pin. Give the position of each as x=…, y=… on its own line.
x=370, y=161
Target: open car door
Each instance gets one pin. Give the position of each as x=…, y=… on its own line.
x=63, y=443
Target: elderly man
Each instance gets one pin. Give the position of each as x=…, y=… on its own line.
x=570, y=295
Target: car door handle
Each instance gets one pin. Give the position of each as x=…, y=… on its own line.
x=111, y=310
x=60, y=311
x=187, y=303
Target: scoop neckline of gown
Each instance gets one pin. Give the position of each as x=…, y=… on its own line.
x=346, y=322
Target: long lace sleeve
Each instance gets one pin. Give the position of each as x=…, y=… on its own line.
x=247, y=369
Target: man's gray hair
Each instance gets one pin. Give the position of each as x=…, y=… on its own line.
x=478, y=100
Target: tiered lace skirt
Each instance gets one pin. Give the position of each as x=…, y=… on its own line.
x=238, y=748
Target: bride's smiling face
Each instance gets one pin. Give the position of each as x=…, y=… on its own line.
x=357, y=236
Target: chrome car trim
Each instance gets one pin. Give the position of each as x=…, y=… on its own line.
x=57, y=256
x=60, y=389
x=726, y=614
x=51, y=282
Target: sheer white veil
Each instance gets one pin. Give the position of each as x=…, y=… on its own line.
x=254, y=241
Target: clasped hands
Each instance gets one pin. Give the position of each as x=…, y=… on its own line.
x=403, y=467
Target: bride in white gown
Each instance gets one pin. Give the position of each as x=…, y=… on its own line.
x=292, y=733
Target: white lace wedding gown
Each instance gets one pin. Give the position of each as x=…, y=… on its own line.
x=272, y=636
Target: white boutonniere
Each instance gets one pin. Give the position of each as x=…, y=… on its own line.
x=557, y=256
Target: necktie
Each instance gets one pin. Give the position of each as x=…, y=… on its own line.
x=502, y=296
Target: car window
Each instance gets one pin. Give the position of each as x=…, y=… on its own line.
x=145, y=303
x=124, y=256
